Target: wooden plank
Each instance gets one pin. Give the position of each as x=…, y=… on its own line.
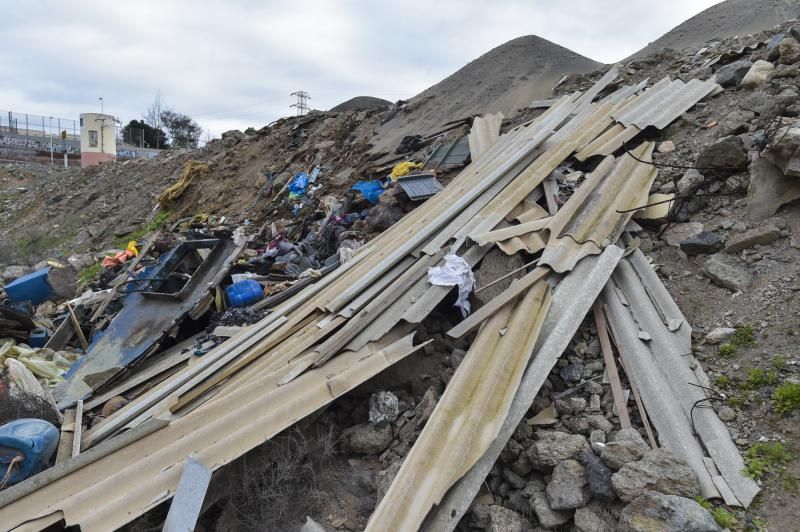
x=505, y=297
x=64, y=451
x=76, y=434
x=188, y=499
x=611, y=367
x=62, y=336
x=642, y=412
x=77, y=326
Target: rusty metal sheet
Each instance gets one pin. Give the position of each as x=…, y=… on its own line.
x=147, y=315
x=664, y=102
x=469, y=414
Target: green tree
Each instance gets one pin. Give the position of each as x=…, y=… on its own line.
x=140, y=133
x=183, y=131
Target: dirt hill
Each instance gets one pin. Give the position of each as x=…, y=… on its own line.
x=727, y=19
x=361, y=103
x=505, y=79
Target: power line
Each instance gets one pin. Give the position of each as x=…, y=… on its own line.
x=302, y=102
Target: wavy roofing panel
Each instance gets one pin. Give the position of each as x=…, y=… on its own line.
x=664, y=102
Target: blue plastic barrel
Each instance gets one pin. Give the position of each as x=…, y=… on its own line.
x=244, y=293
x=32, y=287
x=27, y=446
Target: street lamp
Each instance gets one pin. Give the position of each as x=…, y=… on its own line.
x=51, y=140
x=101, y=104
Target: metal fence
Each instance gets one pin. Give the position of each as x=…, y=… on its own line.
x=38, y=126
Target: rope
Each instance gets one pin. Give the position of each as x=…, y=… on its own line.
x=14, y=461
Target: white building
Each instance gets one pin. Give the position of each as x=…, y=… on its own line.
x=98, y=138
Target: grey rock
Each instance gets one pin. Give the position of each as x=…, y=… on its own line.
x=794, y=31
x=518, y=503
x=618, y=453
x=493, y=266
x=717, y=335
x=594, y=401
x=568, y=489
x=597, y=436
x=789, y=51
x=593, y=387
x=599, y=422
x=13, y=272
x=721, y=270
x=656, y=512
x=578, y=404
x=504, y=520
x=369, y=439
x=689, y=182
x=594, y=518
x=659, y=470
x=723, y=158
x=572, y=373
x=703, y=243
x=760, y=235
x=576, y=424
x=514, y=480
x=384, y=479
x=735, y=122
x=631, y=435
x=521, y=466
x=554, y=447
x=547, y=516
x=768, y=190
x=758, y=74
x=563, y=407
x=382, y=216
x=677, y=233
x=730, y=75
x=726, y=413
x=599, y=477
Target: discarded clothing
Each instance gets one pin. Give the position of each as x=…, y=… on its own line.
x=404, y=168
x=371, y=190
x=456, y=271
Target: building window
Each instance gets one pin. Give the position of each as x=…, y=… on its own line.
x=92, y=139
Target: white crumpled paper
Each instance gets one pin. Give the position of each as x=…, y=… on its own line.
x=456, y=271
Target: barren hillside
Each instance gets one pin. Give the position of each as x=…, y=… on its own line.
x=731, y=18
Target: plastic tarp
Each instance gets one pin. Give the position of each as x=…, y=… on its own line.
x=371, y=190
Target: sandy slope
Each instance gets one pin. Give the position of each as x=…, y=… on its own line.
x=727, y=19
x=505, y=79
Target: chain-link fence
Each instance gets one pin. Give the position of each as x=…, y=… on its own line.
x=38, y=126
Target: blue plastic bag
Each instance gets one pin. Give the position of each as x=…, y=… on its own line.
x=298, y=185
x=371, y=190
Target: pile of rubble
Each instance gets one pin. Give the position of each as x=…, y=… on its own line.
x=558, y=385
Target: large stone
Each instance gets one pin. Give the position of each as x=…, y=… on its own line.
x=369, y=439
x=757, y=236
x=504, y=520
x=656, y=512
x=548, y=517
x=572, y=373
x=384, y=407
x=13, y=272
x=618, y=453
x=717, y=335
x=769, y=189
x=553, y=447
x=677, y=233
x=724, y=157
x=599, y=477
x=758, y=74
x=690, y=181
x=384, y=479
x=659, y=470
x=568, y=489
x=735, y=122
x=789, y=51
x=721, y=270
x=730, y=75
x=703, y=243
x=594, y=518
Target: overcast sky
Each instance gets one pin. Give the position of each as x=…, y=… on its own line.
x=233, y=65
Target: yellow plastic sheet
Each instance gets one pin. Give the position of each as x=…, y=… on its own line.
x=403, y=168
x=191, y=170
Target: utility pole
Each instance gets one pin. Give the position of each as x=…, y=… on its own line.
x=101, y=104
x=51, y=140
x=302, y=102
